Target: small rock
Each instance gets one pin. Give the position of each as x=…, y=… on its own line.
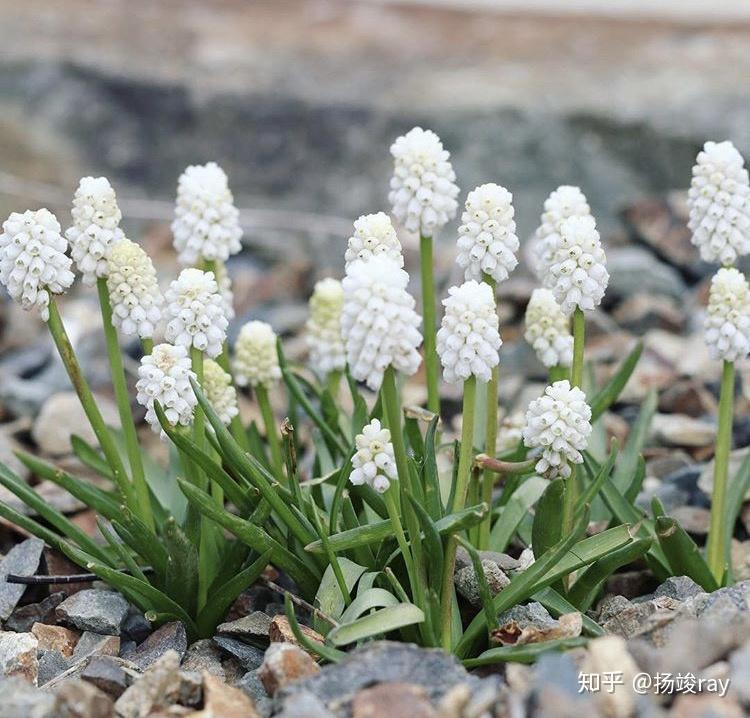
x=7, y=456
x=724, y=604
x=249, y=657
x=78, y=699
x=609, y=654
x=61, y=416
x=169, y=637
x=706, y=705
x=706, y=480
x=640, y=312
x=204, y=655
x=530, y=615
x=392, y=700
x=156, y=689
x=630, y=584
x=686, y=480
x=96, y=644
x=694, y=519
x=24, y=617
x=556, y=691
x=107, y=675
x=467, y=583
x=305, y=704
x=569, y=625
x=689, y=397
x=51, y=665
x=135, y=627
x=680, y=588
x=94, y=610
x=254, y=627
x=285, y=663
x=21, y=560
x=19, y=699
x=55, y=638
x=191, y=688
x=641, y=619
x=251, y=685
x=739, y=665
x=681, y=430
x=633, y=269
x=18, y=655
x=225, y=701
x=281, y=632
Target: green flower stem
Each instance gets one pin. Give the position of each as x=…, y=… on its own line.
x=123, y=406
x=147, y=344
x=239, y=433
x=558, y=373
x=429, y=323
x=716, y=547
x=333, y=383
x=272, y=434
x=490, y=439
x=106, y=442
x=199, y=418
x=459, y=498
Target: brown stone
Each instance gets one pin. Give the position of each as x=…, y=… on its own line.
x=285, y=663
x=78, y=699
x=221, y=700
x=18, y=655
x=688, y=397
x=281, y=632
x=55, y=638
x=392, y=700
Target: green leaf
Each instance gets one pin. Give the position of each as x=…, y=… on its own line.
x=546, y=530
x=685, y=559
x=328, y=598
x=433, y=544
x=366, y=601
x=736, y=491
x=627, y=464
x=558, y=605
x=327, y=653
x=526, y=653
x=484, y=590
x=610, y=392
x=523, y=498
x=29, y=525
x=374, y=624
x=593, y=487
x=433, y=499
x=90, y=457
x=181, y=578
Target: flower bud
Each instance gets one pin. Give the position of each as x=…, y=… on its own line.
x=468, y=338
x=374, y=462
x=373, y=235
x=96, y=227
x=578, y=271
x=218, y=388
x=164, y=376
x=33, y=263
x=206, y=222
x=327, y=352
x=378, y=322
x=547, y=330
x=487, y=241
x=559, y=423
x=133, y=290
x=719, y=203
x=727, y=324
x=255, y=359
x=195, y=312
x=423, y=190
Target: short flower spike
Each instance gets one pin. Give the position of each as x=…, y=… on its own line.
x=255, y=359
x=374, y=462
x=324, y=338
x=727, y=324
x=547, y=330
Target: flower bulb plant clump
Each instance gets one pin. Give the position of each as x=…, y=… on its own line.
x=360, y=501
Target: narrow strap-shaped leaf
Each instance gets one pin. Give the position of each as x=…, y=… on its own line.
x=484, y=590
x=523, y=498
x=121, y=551
x=736, y=492
x=432, y=543
x=635, y=485
x=327, y=653
x=433, y=500
x=593, y=487
x=33, y=527
x=627, y=464
x=558, y=605
x=547, y=527
x=374, y=624
x=90, y=457
x=181, y=576
x=142, y=542
x=683, y=555
x=366, y=601
x=526, y=653
x=609, y=393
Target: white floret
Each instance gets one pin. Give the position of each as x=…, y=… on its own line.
x=727, y=324
x=324, y=338
x=548, y=330
x=374, y=462
x=373, y=235
x=256, y=361
x=218, y=388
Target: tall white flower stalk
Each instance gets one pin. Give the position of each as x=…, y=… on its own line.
x=34, y=267
x=727, y=335
x=423, y=197
x=324, y=338
x=467, y=342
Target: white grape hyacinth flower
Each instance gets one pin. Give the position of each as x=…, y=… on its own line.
x=195, y=311
x=220, y=392
x=558, y=423
x=719, y=204
x=548, y=330
x=423, y=189
x=564, y=202
x=256, y=362
x=133, y=290
x=96, y=227
x=33, y=263
x=487, y=241
x=373, y=235
x=727, y=323
x=164, y=376
x=225, y=289
x=578, y=272
x=324, y=338
x=379, y=324
x=206, y=222
x=468, y=339
x=374, y=462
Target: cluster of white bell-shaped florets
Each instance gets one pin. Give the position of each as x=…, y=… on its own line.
x=133, y=290
x=225, y=289
x=219, y=390
x=374, y=462
x=164, y=376
x=256, y=361
x=487, y=241
x=423, y=189
x=719, y=203
x=33, y=263
x=727, y=324
x=566, y=201
x=206, y=223
x=324, y=339
x=373, y=235
x=96, y=227
x=558, y=422
x=578, y=273
x=548, y=330
x=468, y=339
x=195, y=312
x=378, y=322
